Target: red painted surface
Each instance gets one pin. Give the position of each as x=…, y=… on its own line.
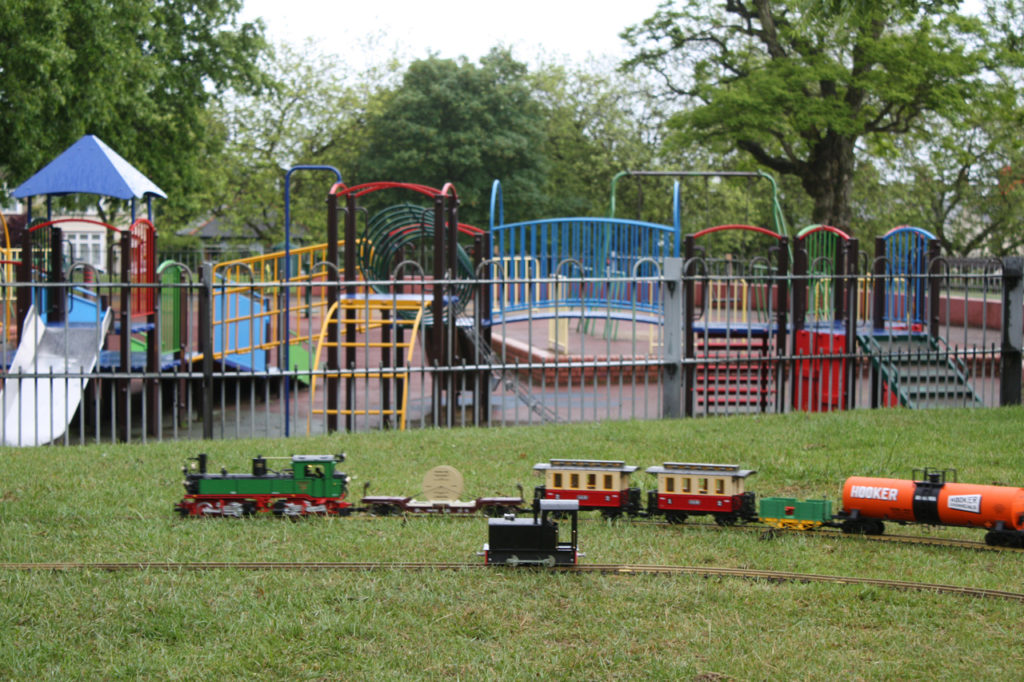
x=590, y=499
x=698, y=504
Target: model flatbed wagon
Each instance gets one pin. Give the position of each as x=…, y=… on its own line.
x=384, y=505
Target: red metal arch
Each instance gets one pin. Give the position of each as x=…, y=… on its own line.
x=51, y=223
x=341, y=190
x=825, y=228
x=749, y=228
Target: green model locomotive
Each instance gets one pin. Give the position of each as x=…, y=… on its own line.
x=312, y=485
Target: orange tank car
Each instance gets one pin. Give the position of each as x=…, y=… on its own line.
x=867, y=502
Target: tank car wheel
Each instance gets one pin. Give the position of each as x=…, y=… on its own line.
x=863, y=527
x=996, y=538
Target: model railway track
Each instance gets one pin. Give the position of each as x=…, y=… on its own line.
x=612, y=569
x=770, y=532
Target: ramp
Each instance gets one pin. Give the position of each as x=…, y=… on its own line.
x=919, y=371
x=507, y=379
x=39, y=405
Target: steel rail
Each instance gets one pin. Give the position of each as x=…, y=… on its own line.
x=612, y=569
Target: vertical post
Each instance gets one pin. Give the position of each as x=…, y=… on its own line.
x=152, y=336
x=456, y=380
x=486, y=301
x=351, y=277
x=481, y=384
x=436, y=346
x=333, y=356
x=878, y=302
x=879, y=285
x=206, y=347
x=25, y=280
x=689, y=347
x=850, y=319
x=184, y=341
x=124, y=383
x=1013, y=331
x=800, y=283
x=782, y=327
x=672, y=299
x=56, y=297
x=839, y=278
x=933, y=287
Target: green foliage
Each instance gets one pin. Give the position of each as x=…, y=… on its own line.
x=312, y=112
x=454, y=121
x=799, y=85
x=599, y=122
x=139, y=74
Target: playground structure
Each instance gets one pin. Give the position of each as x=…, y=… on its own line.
x=335, y=334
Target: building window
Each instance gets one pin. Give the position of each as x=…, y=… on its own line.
x=87, y=247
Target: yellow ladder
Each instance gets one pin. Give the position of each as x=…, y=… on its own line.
x=369, y=313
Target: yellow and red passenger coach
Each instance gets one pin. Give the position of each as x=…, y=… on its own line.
x=685, y=489
x=597, y=484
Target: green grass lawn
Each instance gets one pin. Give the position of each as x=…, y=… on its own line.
x=114, y=503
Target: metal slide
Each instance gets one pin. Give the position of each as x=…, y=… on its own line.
x=37, y=408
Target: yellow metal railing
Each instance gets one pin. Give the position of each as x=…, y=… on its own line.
x=260, y=280
x=367, y=312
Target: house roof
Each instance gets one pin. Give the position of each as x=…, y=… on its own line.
x=89, y=166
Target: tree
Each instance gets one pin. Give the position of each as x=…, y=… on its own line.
x=598, y=122
x=312, y=111
x=453, y=121
x=139, y=74
x=801, y=86
x=964, y=185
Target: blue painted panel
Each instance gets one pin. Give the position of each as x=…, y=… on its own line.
x=575, y=249
x=238, y=329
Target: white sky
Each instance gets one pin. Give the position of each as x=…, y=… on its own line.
x=363, y=31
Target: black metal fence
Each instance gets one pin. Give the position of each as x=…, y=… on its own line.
x=226, y=358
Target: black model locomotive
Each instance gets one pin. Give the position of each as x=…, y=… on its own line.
x=534, y=540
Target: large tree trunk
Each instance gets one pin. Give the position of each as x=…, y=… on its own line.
x=828, y=179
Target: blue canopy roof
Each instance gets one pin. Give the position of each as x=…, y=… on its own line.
x=89, y=166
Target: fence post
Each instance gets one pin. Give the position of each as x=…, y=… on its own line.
x=124, y=383
x=1013, y=331
x=672, y=299
x=206, y=347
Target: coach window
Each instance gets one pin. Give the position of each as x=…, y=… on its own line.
x=702, y=484
x=687, y=484
x=607, y=481
x=574, y=481
x=670, y=484
x=557, y=480
x=720, y=486
x=591, y=481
